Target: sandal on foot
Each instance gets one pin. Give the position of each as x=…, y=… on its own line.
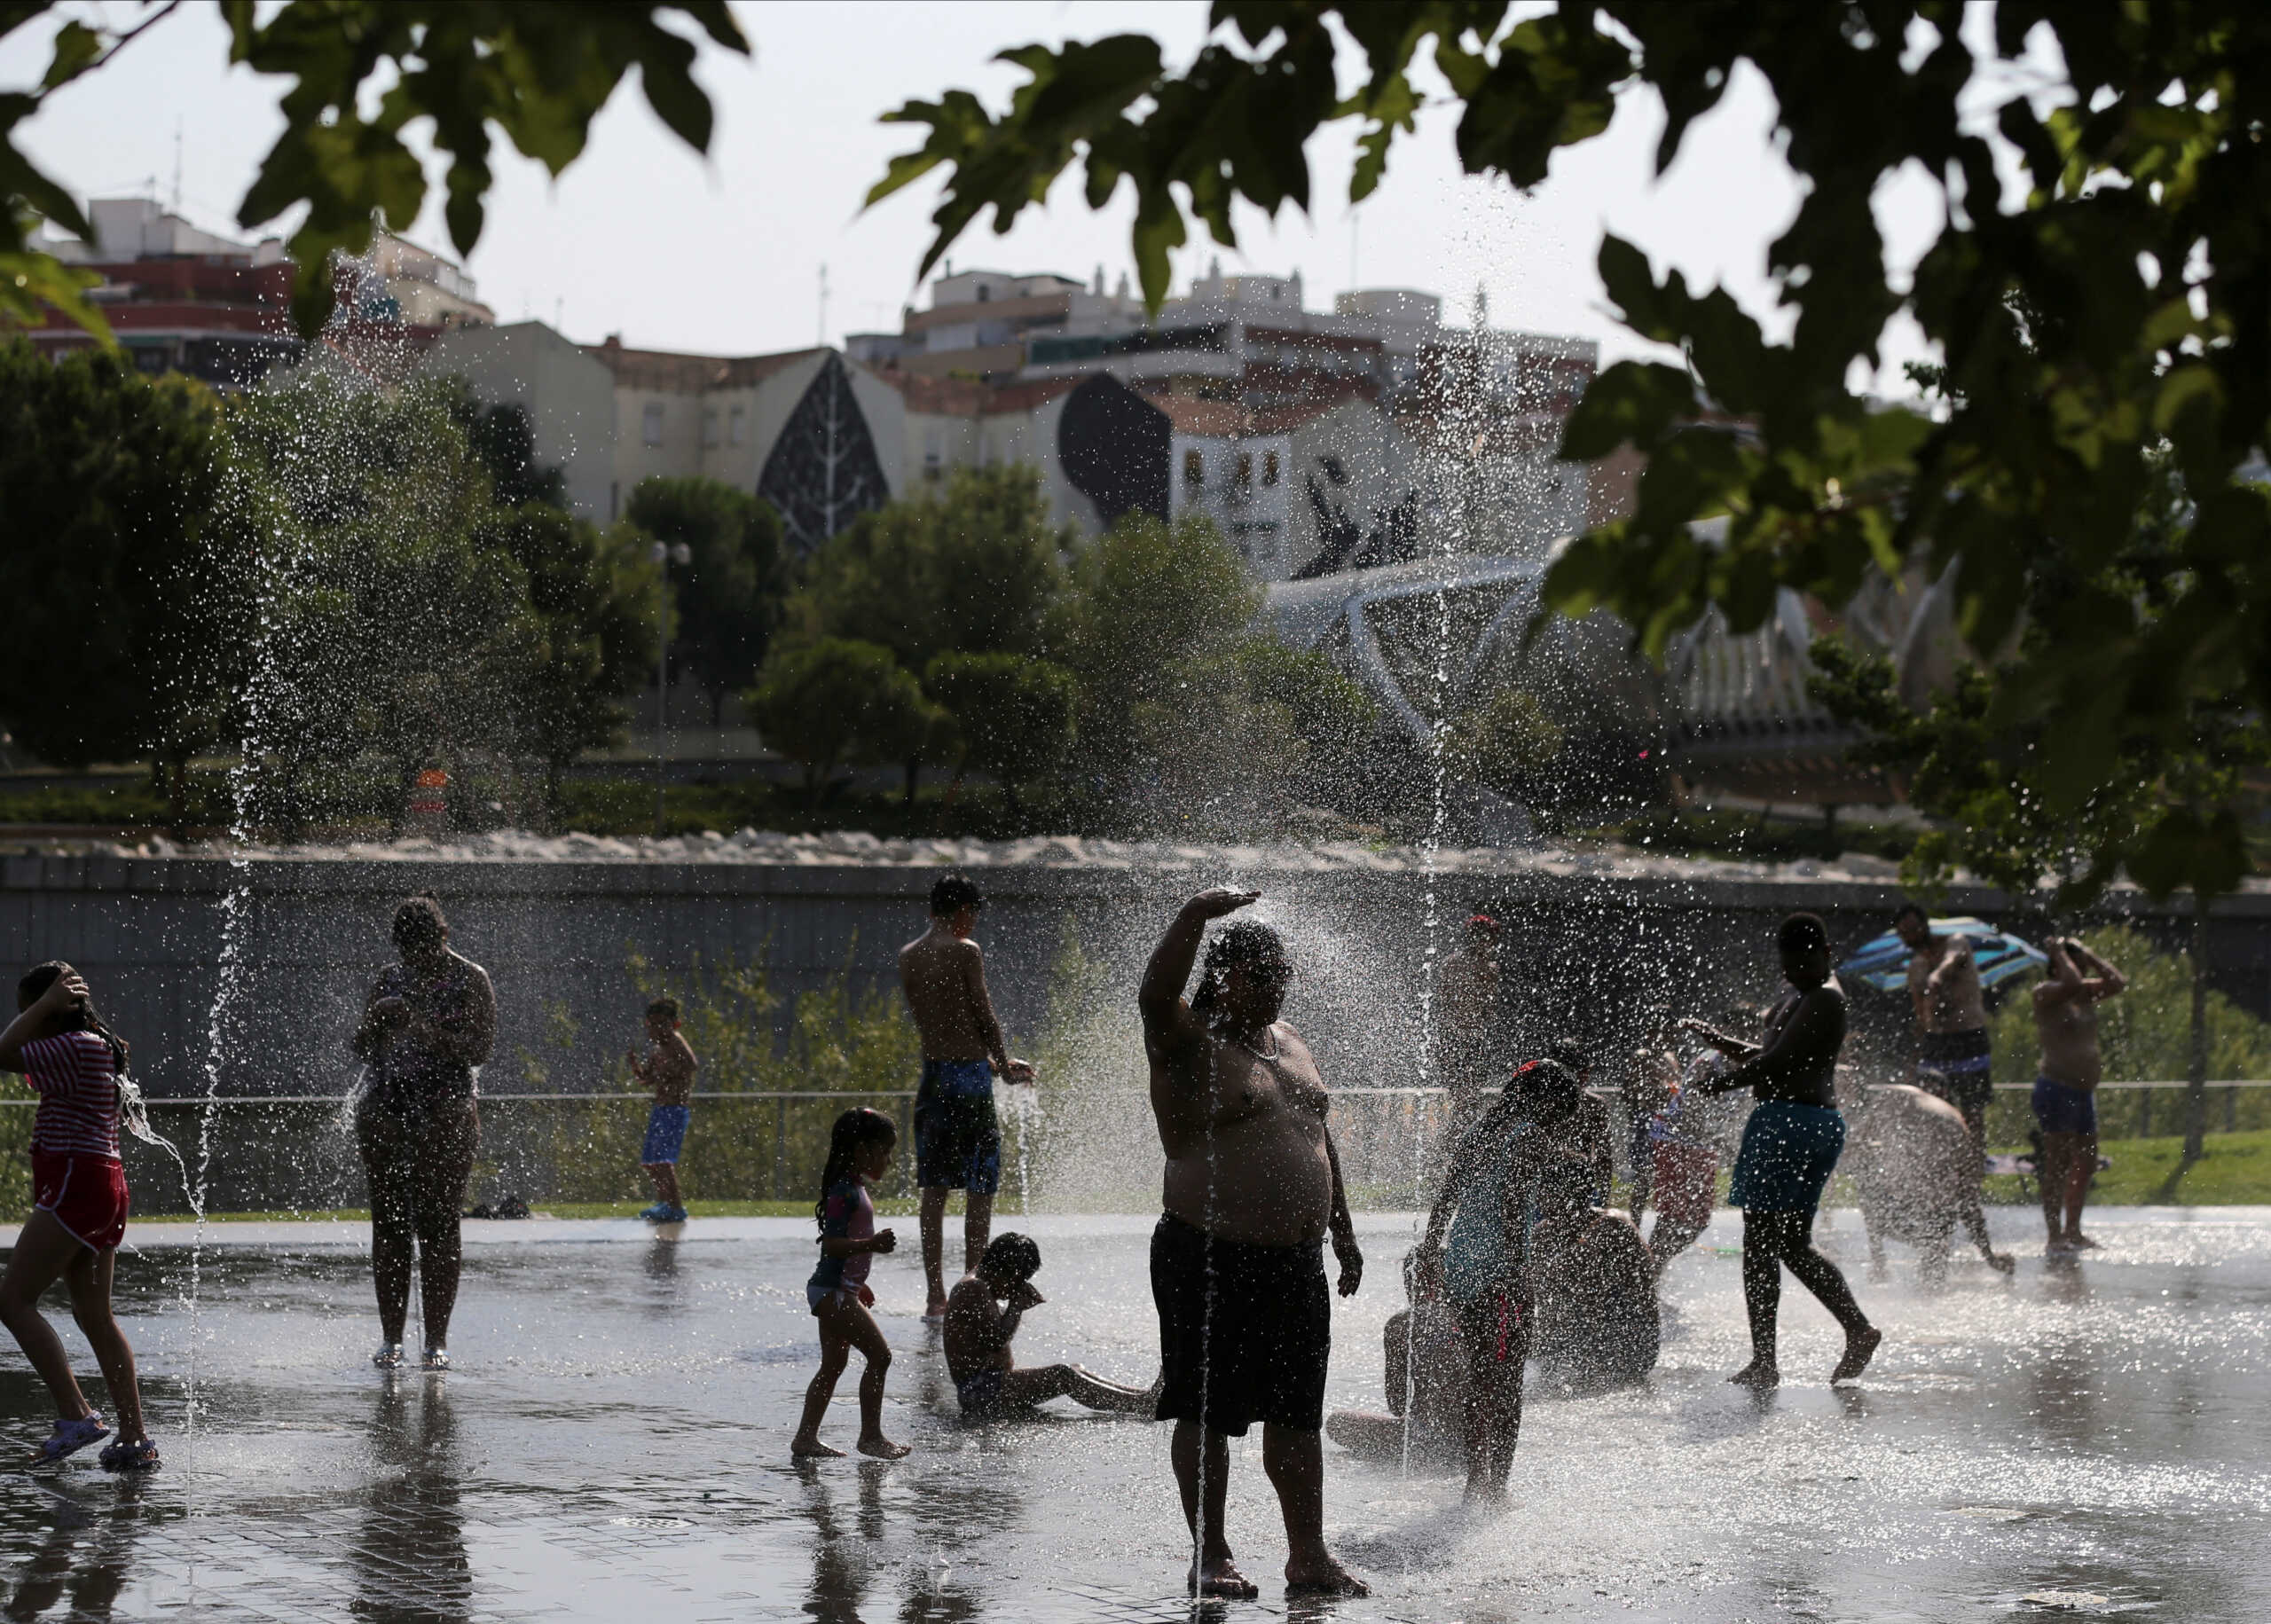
x=139, y=1456
x=434, y=1359
x=70, y=1437
x=388, y=1357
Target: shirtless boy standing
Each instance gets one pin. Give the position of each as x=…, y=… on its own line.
x=958, y=1138
x=1952, y=1058
x=668, y=1070
x=1253, y=1188
x=2065, y=1094
x=982, y=1316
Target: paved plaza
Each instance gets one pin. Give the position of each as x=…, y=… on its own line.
x=613, y=1445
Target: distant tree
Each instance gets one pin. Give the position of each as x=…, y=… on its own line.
x=1334, y=719
x=730, y=598
x=1508, y=744
x=592, y=637
x=1151, y=626
x=116, y=562
x=503, y=440
x=1014, y=714
x=826, y=703
x=972, y=570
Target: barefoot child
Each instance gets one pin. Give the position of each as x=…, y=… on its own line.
x=79, y=1190
x=859, y=1151
x=668, y=1071
x=987, y=1381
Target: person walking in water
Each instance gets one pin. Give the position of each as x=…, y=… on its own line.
x=668, y=1074
x=1953, y=1055
x=983, y=1315
x=430, y=1021
x=1790, y=1147
x=2065, y=1093
x=957, y=1137
x=1476, y=1253
x=859, y=1154
x=1253, y=1186
x=1467, y=1035
x=79, y=1204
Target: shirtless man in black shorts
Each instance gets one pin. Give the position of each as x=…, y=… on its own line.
x=1238, y=1267
x=1953, y=1050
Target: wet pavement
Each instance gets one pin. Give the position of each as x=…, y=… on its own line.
x=2089, y=1438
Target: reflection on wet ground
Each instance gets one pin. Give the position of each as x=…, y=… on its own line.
x=612, y=1445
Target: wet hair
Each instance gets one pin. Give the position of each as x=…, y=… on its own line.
x=667, y=1008
x=951, y=893
x=1569, y=1053
x=1906, y=910
x=1011, y=1257
x=1545, y=1078
x=854, y=1131
x=1245, y=944
x=418, y=922
x=84, y=1018
x=1479, y=923
x=1803, y=933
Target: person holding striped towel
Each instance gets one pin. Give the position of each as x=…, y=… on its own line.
x=74, y=1065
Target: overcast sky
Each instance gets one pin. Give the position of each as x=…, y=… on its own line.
x=723, y=255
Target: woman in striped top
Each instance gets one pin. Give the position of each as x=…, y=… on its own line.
x=72, y=1063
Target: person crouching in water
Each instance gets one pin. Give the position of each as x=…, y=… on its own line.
x=983, y=1311
x=1789, y=1148
x=73, y=1063
x=859, y=1153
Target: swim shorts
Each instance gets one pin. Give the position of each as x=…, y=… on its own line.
x=1244, y=1330
x=1494, y=1330
x=958, y=1138
x=1788, y=1152
x=87, y=1193
x=2060, y=1110
x=1686, y=1182
x=666, y=1135
x=980, y=1395
x=1958, y=1067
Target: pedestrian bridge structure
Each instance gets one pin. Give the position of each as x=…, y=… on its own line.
x=1433, y=637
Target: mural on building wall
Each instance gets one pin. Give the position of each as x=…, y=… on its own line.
x=1385, y=535
x=1113, y=444
x=823, y=471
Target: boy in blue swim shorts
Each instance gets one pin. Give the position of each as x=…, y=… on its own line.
x=957, y=1139
x=1789, y=1148
x=668, y=1071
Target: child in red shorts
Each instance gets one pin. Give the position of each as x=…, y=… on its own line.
x=73, y=1063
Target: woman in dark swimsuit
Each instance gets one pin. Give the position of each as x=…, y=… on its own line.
x=1789, y=1148
x=430, y=1021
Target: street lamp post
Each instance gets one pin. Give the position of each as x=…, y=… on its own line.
x=664, y=556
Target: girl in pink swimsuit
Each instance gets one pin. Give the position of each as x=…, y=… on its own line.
x=859, y=1153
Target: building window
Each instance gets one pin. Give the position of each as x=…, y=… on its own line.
x=933, y=455
x=1243, y=478
x=651, y=423
x=1269, y=470
x=709, y=427
x=1194, y=469
x=736, y=423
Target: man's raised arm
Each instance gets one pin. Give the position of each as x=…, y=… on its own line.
x=1167, y=1019
x=2103, y=981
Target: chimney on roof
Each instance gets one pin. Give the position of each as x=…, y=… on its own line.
x=614, y=341
x=1099, y=283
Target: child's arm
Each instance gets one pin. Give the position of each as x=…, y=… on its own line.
x=844, y=1246
x=66, y=990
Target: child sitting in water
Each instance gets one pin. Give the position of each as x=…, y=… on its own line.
x=668, y=1071
x=73, y=1063
x=979, y=1328
x=858, y=1152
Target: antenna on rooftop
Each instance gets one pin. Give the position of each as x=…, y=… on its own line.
x=177, y=163
x=821, y=338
